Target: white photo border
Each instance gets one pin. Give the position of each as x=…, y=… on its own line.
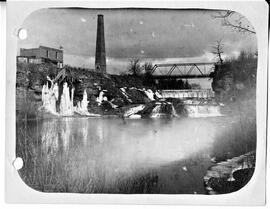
x=251, y=194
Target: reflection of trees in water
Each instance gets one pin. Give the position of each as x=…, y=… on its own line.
x=100, y=131
x=59, y=135
x=49, y=163
x=68, y=159
x=55, y=137
x=49, y=137
x=95, y=156
x=84, y=132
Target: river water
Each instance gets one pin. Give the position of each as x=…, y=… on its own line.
x=97, y=155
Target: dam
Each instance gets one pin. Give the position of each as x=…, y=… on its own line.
x=187, y=93
x=197, y=103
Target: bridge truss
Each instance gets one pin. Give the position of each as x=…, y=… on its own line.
x=185, y=70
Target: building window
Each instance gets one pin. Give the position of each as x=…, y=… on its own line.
x=47, y=53
x=56, y=55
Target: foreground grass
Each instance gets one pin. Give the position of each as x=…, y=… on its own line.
x=52, y=164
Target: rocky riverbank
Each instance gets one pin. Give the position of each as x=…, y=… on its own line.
x=230, y=175
x=234, y=84
x=107, y=95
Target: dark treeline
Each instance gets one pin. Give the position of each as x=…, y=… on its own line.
x=236, y=78
x=173, y=84
x=143, y=71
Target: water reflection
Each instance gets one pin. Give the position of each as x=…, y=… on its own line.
x=109, y=155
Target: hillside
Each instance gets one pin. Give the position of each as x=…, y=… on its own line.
x=32, y=77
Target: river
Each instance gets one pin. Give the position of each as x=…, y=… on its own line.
x=98, y=155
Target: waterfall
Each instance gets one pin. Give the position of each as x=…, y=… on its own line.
x=190, y=93
x=156, y=112
x=66, y=103
x=81, y=107
x=158, y=95
x=84, y=102
x=163, y=109
x=101, y=98
x=49, y=98
x=149, y=93
x=174, y=112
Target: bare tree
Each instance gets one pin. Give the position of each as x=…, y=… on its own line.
x=134, y=66
x=218, y=50
x=235, y=20
x=147, y=66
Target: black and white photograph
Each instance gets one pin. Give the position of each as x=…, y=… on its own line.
x=136, y=101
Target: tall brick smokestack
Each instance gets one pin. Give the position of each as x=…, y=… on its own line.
x=100, y=62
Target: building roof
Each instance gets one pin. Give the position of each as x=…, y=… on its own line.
x=44, y=47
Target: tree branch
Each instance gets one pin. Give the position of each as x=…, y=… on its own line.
x=229, y=20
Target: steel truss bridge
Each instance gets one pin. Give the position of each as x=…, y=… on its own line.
x=182, y=70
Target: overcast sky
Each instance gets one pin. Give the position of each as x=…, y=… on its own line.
x=159, y=36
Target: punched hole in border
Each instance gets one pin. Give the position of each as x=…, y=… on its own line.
x=18, y=163
x=22, y=33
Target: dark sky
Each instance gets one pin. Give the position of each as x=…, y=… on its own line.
x=160, y=36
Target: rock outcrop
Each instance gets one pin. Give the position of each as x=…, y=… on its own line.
x=231, y=175
x=116, y=91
